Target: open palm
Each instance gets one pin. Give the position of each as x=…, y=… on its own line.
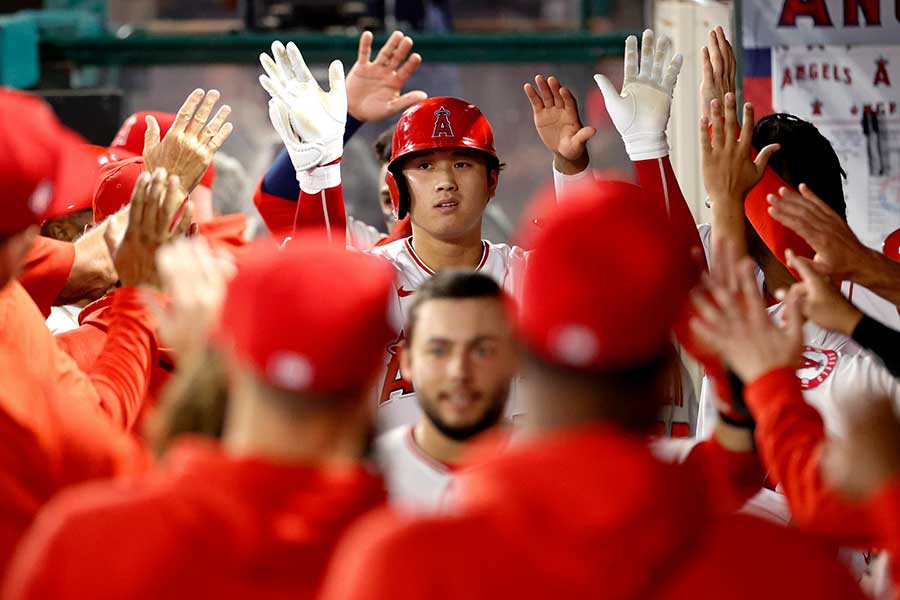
x=556, y=118
x=373, y=87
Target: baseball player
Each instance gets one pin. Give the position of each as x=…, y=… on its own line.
x=581, y=509
x=257, y=515
x=444, y=170
x=460, y=355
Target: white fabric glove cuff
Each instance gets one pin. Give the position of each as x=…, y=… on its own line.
x=313, y=181
x=646, y=146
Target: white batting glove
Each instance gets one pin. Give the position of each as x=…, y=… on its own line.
x=309, y=120
x=641, y=112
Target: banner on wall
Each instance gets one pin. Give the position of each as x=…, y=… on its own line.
x=850, y=95
x=768, y=23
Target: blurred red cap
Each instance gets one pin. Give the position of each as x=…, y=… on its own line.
x=115, y=183
x=42, y=163
x=891, y=246
x=103, y=156
x=309, y=317
x=606, y=281
x=130, y=138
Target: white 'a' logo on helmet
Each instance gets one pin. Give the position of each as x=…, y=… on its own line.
x=442, y=123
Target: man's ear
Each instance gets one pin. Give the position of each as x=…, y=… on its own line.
x=405, y=357
x=493, y=180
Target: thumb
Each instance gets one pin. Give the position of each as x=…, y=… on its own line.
x=793, y=315
x=606, y=88
x=583, y=135
x=408, y=99
x=151, y=136
x=336, y=80
x=762, y=159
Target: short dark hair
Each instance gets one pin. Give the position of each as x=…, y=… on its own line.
x=450, y=284
x=382, y=145
x=806, y=156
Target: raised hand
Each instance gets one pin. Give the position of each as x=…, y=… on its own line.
x=309, y=120
x=729, y=171
x=641, y=112
x=735, y=324
x=187, y=319
x=558, y=124
x=373, y=87
x=839, y=253
x=189, y=145
x=153, y=220
x=821, y=301
x=719, y=68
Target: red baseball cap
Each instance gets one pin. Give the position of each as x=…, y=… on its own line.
x=114, y=186
x=130, y=138
x=42, y=163
x=606, y=281
x=103, y=157
x=309, y=317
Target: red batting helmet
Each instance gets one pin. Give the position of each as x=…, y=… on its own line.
x=441, y=122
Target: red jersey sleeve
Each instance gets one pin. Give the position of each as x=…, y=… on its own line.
x=731, y=478
x=789, y=436
x=322, y=209
x=47, y=268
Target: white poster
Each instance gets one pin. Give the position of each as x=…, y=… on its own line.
x=767, y=23
x=850, y=95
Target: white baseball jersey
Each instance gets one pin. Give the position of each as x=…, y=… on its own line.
x=63, y=318
x=396, y=399
x=836, y=374
x=361, y=235
x=414, y=480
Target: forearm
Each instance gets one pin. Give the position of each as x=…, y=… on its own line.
x=881, y=340
x=93, y=272
x=733, y=473
x=881, y=275
x=322, y=202
x=790, y=435
x=657, y=179
x=121, y=372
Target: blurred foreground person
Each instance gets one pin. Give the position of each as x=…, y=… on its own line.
x=460, y=356
x=60, y=425
x=255, y=516
x=582, y=509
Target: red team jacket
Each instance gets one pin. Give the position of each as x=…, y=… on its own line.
x=60, y=425
x=46, y=271
x=206, y=525
x=585, y=513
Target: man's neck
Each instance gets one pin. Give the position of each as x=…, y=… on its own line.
x=437, y=445
x=464, y=252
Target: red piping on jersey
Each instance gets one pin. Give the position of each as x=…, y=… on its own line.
x=432, y=462
x=409, y=248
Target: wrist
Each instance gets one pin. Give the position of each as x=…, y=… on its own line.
x=571, y=167
x=646, y=146
x=313, y=181
x=849, y=320
x=874, y=270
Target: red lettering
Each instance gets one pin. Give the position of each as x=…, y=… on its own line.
x=681, y=430
x=801, y=72
x=847, y=78
x=870, y=9
x=893, y=107
x=813, y=71
x=394, y=383
x=881, y=74
x=786, y=78
x=816, y=9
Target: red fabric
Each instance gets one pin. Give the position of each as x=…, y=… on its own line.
x=59, y=425
x=114, y=186
x=789, y=437
x=205, y=526
x=42, y=163
x=732, y=478
x=285, y=218
x=584, y=323
x=323, y=291
x=581, y=514
x=46, y=271
x=402, y=231
x=226, y=232
x=885, y=507
x=117, y=381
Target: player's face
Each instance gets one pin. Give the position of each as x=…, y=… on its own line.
x=449, y=190
x=461, y=361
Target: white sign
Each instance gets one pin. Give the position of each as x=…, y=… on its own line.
x=767, y=23
x=849, y=94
